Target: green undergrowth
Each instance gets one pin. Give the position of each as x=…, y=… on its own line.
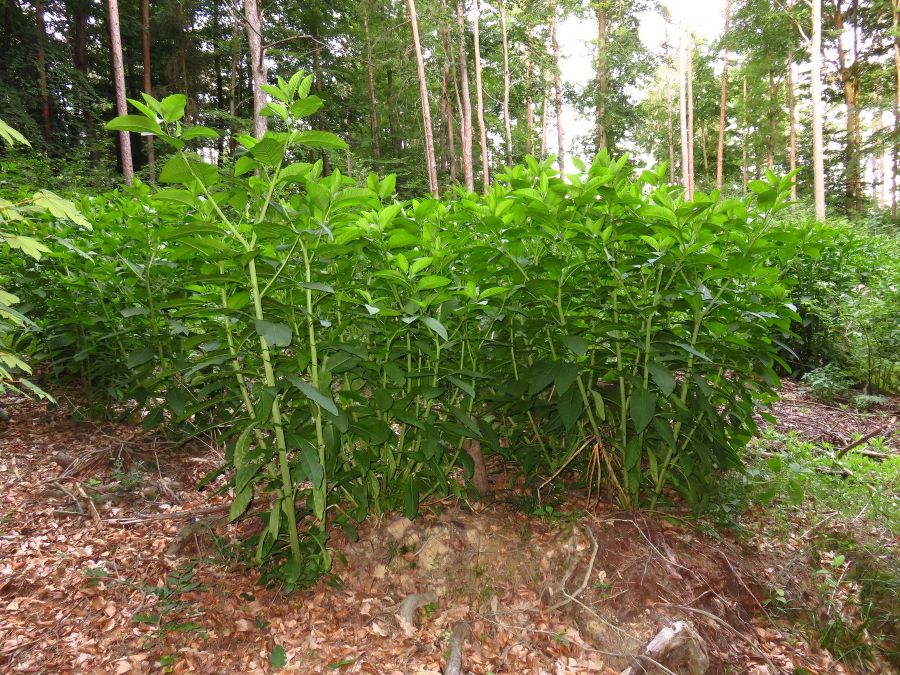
x=833, y=525
x=347, y=346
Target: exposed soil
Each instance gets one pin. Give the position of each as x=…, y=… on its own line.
x=577, y=592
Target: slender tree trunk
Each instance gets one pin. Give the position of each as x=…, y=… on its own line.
x=671, y=128
x=426, y=106
x=220, y=84
x=258, y=70
x=506, y=122
x=745, y=167
x=720, y=149
x=773, y=120
x=148, y=81
x=896, y=108
x=41, y=58
x=466, y=123
x=80, y=16
x=545, y=121
x=600, y=140
x=115, y=41
x=560, y=132
x=450, y=78
x=235, y=73
x=703, y=150
x=529, y=98
x=479, y=99
x=683, y=119
x=373, y=103
x=851, y=152
x=689, y=55
x=817, y=110
x=792, y=122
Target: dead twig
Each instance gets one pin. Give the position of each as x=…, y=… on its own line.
x=886, y=429
x=173, y=515
x=587, y=574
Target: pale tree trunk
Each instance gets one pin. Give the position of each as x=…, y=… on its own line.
x=545, y=121
x=115, y=41
x=450, y=77
x=683, y=120
x=426, y=107
x=720, y=149
x=602, y=77
x=671, y=128
x=253, y=25
x=817, y=110
x=479, y=99
x=560, y=133
x=703, y=149
x=773, y=120
x=896, y=108
x=506, y=121
x=792, y=122
x=690, y=110
x=373, y=103
x=41, y=57
x=745, y=168
x=851, y=151
x=148, y=82
x=466, y=122
x=529, y=100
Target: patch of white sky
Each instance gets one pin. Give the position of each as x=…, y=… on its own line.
x=577, y=41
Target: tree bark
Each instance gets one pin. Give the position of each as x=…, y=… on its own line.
x=545, y=121
x=466, y=122
x=792, y=122
x=896, y=108
x=720, y=149
x=529, y=98
x=849, y=85
x=258, y=70
x=817, y=110
x=683, y=120
x=671, y=127
x=479, y=99
x=560, y=132
x=450, y=77
x=115, y=41
x=426, y=106
x=506, y=121
x=41, y=58
x=773, y=120
x=373, y=103
x=235, y=72
x=689, y=55
x=602, y=78
x=745, y=168
x=148, y=82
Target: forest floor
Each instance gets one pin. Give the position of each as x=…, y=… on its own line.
x=98, y=572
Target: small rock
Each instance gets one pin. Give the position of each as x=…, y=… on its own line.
x=398, y=528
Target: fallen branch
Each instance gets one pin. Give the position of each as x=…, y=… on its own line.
x=587, y=574
x=407, y=611
x=172, y=515
x=886, y=430
x=458, y=637
x=679, y=640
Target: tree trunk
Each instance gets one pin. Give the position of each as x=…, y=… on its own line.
x=683, y=120
x=506, y=121
x=792, y=122
x=817, y=110
x=373, y=103
x=671, y=127
x=450, y=77
x=148, y=82
x=545, y=121
x=115, y=41
x=720, y=149
x=745, y=168
x=253, y=26
x=689, y=56
x=80, y=16
x=703, y=150
x=529, y=98
x=235, y=72
x=41, y=57
x=773, y=120
x=560, y=133
x=426, y=106
x=466, y=122
x=851, y=151
x=602, y=78
x=479, y=99
x=896, y=141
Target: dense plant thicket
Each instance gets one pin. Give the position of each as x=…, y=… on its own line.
x=848, y=295
x=347, y=344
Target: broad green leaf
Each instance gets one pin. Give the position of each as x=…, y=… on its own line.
x=268, y=151
x=275, y=334
x=198, y=132
x=136, y=123
x=576, y=344
x=436, y=326
x=182, y=169
x=642, y=407
x=241, y=501
x=140, y=356
x=320, y=139
x=309, y=460
x=172, y=107
x=432, y=281
x=278, y=658
x=314, y=395
x=28, y=246
x=662, y=377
